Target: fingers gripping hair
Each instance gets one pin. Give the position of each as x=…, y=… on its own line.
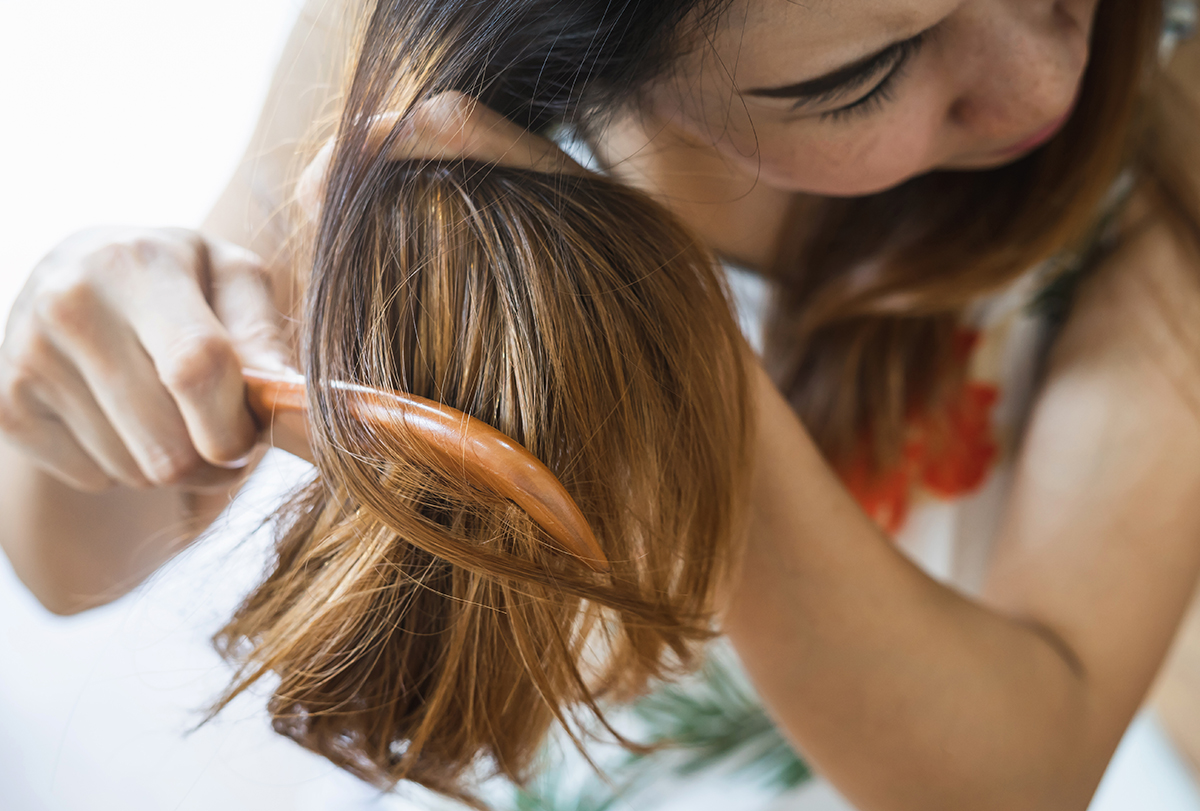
x=420, y=628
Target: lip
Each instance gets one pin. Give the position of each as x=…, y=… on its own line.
x=1036, y=139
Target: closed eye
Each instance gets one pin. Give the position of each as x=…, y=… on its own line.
x=884, y=89
x=839, y=83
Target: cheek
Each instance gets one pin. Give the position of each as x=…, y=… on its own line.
x=1083, y=12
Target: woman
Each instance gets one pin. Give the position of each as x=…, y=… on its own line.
x=869, y=665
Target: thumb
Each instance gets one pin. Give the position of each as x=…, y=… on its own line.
x=242, y=296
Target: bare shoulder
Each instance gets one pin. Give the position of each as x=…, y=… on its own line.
x=1098, y=538
x=1139, y=314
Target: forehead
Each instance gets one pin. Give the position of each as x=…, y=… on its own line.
x=765, y=42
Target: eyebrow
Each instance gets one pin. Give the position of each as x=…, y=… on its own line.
x=839, y=80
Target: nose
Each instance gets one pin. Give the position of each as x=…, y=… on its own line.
x=1019, y=67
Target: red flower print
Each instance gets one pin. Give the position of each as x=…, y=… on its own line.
x=948, y=453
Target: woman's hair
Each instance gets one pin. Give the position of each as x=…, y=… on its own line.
x=423, y=629
x=866, y=330
x=420, y=628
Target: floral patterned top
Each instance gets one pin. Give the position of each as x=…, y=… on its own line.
x=941, y=502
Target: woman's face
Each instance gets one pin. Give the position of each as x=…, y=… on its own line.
x=849, y=97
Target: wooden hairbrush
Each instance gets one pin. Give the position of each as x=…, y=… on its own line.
x=487, y=458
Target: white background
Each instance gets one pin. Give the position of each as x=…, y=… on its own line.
x=135, y=111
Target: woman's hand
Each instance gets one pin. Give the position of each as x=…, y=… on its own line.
x=122, y=358
x=448, y=126
x=74, y=549
x=121, y=361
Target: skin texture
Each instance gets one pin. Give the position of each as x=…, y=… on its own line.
x=1019, y=702
x=905, y=694
x=987, y=76
x=990, y=74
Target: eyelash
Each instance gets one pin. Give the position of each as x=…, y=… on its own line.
x=880, y=94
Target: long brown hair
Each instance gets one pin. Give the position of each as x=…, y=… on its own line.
x=422, y=629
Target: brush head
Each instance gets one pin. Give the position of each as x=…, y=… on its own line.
x=487, y=458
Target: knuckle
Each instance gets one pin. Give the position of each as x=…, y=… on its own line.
x=452, y=99
x=172, y=466
x=257, y=270
x=198, y=363
x=12, y=419
x=424, y=127
x=233, y=264
x=17, y=386
x=21, y=382
x=249, y=267
x=120, y=254
x=67, y=303
x=232, y=454
x=92, y=482
x=443, y=120
x=449, y=106
x=182, y=239
x=140, y=249
x=108, y=249
x=127, y=473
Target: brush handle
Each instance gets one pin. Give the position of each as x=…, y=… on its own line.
x=486, y=457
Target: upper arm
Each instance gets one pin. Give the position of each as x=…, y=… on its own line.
x=299, y=111
x=306, y=87
x=1101, y=541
